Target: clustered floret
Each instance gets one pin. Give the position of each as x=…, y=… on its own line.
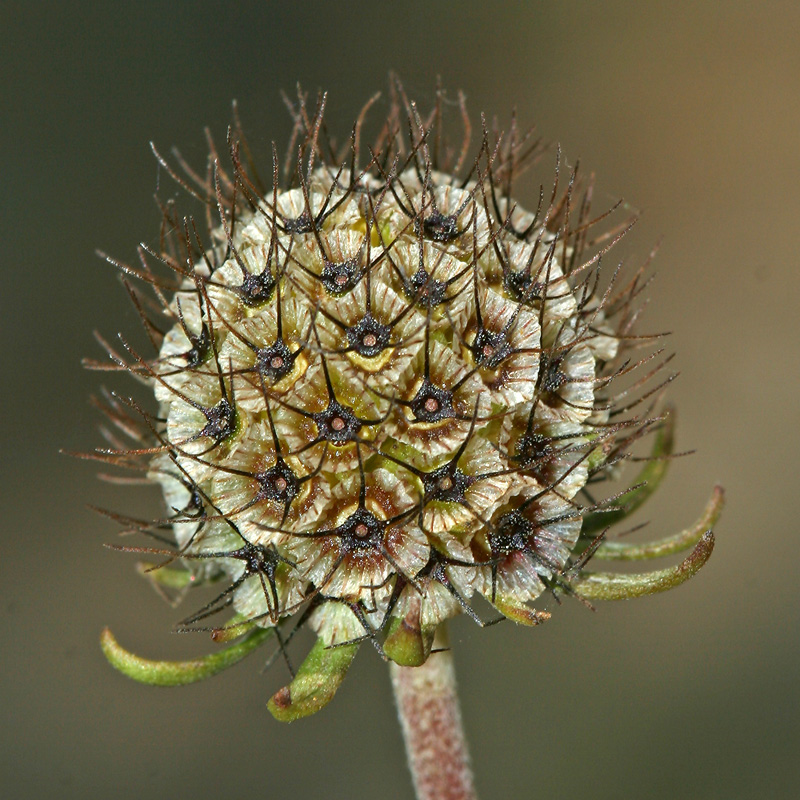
x=383, y=386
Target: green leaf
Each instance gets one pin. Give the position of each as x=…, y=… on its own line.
x=647, y=481
x=318, y=678
x=615, y=586
x=179, y=673
x=669, y=545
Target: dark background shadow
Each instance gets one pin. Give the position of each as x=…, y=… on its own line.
x=690, y=111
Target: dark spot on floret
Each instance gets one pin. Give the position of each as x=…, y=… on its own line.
x=278, y=483
x=256, y=289
x=368, y=337
x=533, y=448
x=362, y=530
x=426, y=291
x=301, y=224
x=258, y=560
x=447, y=484
x=337, y=424
x=438, y=227
x=551, y=376
x=490, y=349
x=201, y=348
x=221, y=421
x=511, y=534
x=341, y=277
x=276, y=361
x=431, y=403
x=522, y=287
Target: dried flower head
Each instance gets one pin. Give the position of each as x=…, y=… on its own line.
x=387, y=394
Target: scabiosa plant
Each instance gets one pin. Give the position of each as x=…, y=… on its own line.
x=387, y=394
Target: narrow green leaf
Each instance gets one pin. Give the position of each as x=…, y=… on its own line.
x=614, y=586
x=669, y=545
x=178, y=673
x=649, y=477
x=317, y=680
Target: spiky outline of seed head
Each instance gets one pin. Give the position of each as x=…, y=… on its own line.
x=385, y=389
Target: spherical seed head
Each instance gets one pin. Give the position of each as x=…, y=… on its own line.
x=384, y=384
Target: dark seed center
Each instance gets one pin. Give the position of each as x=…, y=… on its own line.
x=256, y=288
x=425, y=290
x=522, y=286
x=301, y=224
x=368, y=337
x=432, y=403
x=275, y=361
x=439, y=227
x=340, y=277
x=511, y=534
x=337, y=424
x=361, y=531
x=447, y=484
x=490, y=349
x=278, y=483
x=201, y=348
x=553, y=376
x=221, y=421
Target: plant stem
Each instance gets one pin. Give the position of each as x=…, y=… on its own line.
x=427, y=703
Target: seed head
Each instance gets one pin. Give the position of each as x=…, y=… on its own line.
x=384, y=389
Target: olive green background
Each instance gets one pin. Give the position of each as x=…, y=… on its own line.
x=691, y=111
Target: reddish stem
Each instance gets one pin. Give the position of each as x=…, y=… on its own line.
x=427, y=703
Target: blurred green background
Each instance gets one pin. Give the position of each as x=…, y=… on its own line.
x=691, y=111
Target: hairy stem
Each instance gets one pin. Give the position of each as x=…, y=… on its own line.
x=427, y=703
